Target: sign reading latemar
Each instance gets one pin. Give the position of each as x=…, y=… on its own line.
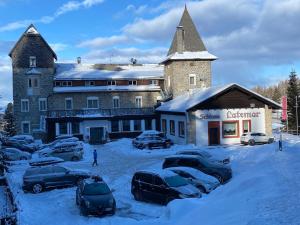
x=238, y=115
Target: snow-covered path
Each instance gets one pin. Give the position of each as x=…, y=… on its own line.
x=264, y=189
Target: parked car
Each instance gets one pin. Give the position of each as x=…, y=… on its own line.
x=12, y=154
x=253, y=138
x=38, y=179
x=26, y=138
x=68, y=151
x=94, y=197
x=21, y=143
x=45, y=161
x=205, y=183
x=220, y=171
x=155, y=133
x=161, y=186
x=150, y=142
x=60, y=141
x=205, y=154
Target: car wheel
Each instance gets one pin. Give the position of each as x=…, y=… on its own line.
x=37, y=188
x=75, y=158
x=219, y=177
x=251, y=142
x=23, y=158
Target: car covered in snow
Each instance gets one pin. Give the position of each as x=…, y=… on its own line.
x=38, y=179
x=150, y=142
x=220, y=171
x=205, y=183
x=252, y=138
x=45, y=161
x=161, y=186
x=68, y=151
x=13, y=154
x=94, y=197
x=61, y=140
x=204, y=154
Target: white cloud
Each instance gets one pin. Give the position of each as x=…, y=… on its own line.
x=58, y=47
x=104, y=41
x=137, y=9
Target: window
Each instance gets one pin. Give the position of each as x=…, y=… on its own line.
x=111, y=82
x=32, y=61
x=137, y=125
x=57, y=84
x=126, y=125
x=154, y=82
x=66, y=83
x=246, y=126
x=132, y=82
x=115, y=126
x=68, y=103
x=43, y=123
x=29, y=83
x=172, y=127
x=230, y=129
x=75, y=128
x=24, y=105
x=116, y=102
x=147, y=178
x=181, y=129
x=192, y=79
x=35, y=82
x=63, y=128
x=92, y=103
x=138, y=101
x=148, y=124
x=90, y=83
x=43, y=104
x=26, y=127
x=164, y=126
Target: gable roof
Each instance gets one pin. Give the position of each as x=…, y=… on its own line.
x=32, y=31
x=192, y=39
x=183, y=103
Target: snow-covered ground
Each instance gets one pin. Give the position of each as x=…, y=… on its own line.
x=264, y=189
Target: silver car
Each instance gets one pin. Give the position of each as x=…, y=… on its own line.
x=13, y=154
x=69, y=151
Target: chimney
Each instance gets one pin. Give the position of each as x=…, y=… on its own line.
x=78, y=60
x=180, y=39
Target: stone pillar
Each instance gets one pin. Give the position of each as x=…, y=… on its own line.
x=268, y=120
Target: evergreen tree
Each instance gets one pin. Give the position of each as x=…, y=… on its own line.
x=292, y=92
x=9, y=121
x=276, y=94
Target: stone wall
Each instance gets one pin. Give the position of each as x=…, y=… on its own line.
x=178, y=72
x=126, y=99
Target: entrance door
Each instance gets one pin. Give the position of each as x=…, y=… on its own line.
x=213, y=133
x=96, y=135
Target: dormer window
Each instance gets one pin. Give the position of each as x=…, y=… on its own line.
x=32, y=61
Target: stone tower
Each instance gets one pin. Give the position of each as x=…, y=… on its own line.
x=33, y=71
x=188, y=63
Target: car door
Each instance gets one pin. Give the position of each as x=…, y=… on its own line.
x=146, y=186
x=263, y=138
x=58, y=176
x=159, y=190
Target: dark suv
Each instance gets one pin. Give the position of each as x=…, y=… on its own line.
x=222, y=172
x=161, y=186
x=94, y=197
x=36, y=179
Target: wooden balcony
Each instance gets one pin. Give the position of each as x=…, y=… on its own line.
x=100, y=112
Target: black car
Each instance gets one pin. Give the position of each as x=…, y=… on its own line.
x=37, y=179
x=94, y=197
x=161, y=186
x=205, y=154
x=220, y=171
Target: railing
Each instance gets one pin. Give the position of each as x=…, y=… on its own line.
x=100, y=112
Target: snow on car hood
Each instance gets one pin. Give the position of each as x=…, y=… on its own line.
x=187, y=190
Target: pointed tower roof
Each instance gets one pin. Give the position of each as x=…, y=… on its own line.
x=31, y=31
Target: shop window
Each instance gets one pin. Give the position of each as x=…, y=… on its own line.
x=76, y=128
x=115, y=126
x=25, y=127
x=137, y=125
x=231, y=129
x=172, y=127
x=24, y=105
x=92, y=103
x=148, y=124
x=68, y=103
x=63, y=128
x=126, y=125
x=164, y=126
x=181, y=129
x=246, y=126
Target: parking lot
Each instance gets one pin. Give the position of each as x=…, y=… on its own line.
x=118, y=162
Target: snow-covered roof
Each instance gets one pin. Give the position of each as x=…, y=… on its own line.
x=204, y=55
x=185, y=102
x=161, y=172
x=33, y=71
x=32, y=30
x=74, y=71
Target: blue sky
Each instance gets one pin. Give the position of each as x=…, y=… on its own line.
x=257, y=41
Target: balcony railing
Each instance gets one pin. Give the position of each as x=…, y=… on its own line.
x=100, y=112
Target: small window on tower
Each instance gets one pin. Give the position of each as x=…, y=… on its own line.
x=32, y=61
x=192, y=79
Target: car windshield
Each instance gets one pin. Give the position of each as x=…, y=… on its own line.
x=175, y=181
x=96, y=189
